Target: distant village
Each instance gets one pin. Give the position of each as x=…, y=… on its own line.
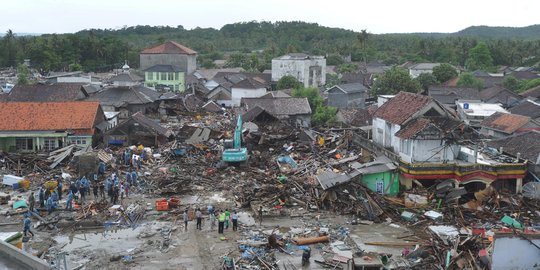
x=470, y=139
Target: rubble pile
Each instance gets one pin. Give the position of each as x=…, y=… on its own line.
x=311, y=176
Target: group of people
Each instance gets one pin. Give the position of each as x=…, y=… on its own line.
x=48, y=197
x=224, y=218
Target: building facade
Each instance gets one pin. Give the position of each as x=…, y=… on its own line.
x=169, y=53
x=307, y=69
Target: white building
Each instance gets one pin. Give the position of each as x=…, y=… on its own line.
x=307, y=69
x=473, y=112
x=420, y=68
x=247, y=88
x=416, y=127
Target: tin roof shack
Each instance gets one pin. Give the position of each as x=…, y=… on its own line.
x=36, y=126
x=138, y=129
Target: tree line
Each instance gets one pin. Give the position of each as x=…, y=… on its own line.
x=252, y=45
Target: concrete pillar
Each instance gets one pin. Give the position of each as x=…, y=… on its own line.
x=406, y=182
x=519, y=185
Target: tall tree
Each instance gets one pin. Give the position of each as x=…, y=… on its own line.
x=393, y=81
x=479, y=58
x=10, y=49
x=468, y=80
x=426, y=80
x=444, y=72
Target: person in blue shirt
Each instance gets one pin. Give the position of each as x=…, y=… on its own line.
x=51, y=205
x=54, y=196
x=101, y=168
x=69, y=204
x=134, y=178
x=116, y=179
x=128, y=177
x=27, y=225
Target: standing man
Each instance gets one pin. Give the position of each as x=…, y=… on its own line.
x=212, y=220
x=134, y=177
x=69, y=203
x=227, y=218
x=198, y=214
x=128, y=178
x=31, y=201
x=102, y=190
x=50, y=205
x=27, y=225
x=59, y=188
x=234, y=219
x=185, y=218
x=221, y=222
x=95, y=190
x=260, y=215
x=41, y=197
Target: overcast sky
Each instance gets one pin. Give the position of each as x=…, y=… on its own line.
x=377, y=16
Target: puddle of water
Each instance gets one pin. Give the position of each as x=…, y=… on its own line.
x=114, y=240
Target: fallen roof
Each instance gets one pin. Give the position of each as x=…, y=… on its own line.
x=400, y=108
x=505, y=122
x=151, y=124
x=280, y=106
x=40, y=116
x=169, y=47
x=526, y=143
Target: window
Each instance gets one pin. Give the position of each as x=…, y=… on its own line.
x=24, y=143
x=163, y=76
x=49, y=144
x=149, y=76
x=172, y=76
x=78, y=140
x=406, y=147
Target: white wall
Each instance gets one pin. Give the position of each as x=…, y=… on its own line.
x=239, y=93
x=379, y=137
x=299, y=69
x=433, y=151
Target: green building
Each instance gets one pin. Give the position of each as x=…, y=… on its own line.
x=165, y=76
x=380, y=176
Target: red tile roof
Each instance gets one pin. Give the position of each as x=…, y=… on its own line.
x=505, y=122
x=45, y=116
x=433, y=125
x=400, y=108
x=169, y=47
